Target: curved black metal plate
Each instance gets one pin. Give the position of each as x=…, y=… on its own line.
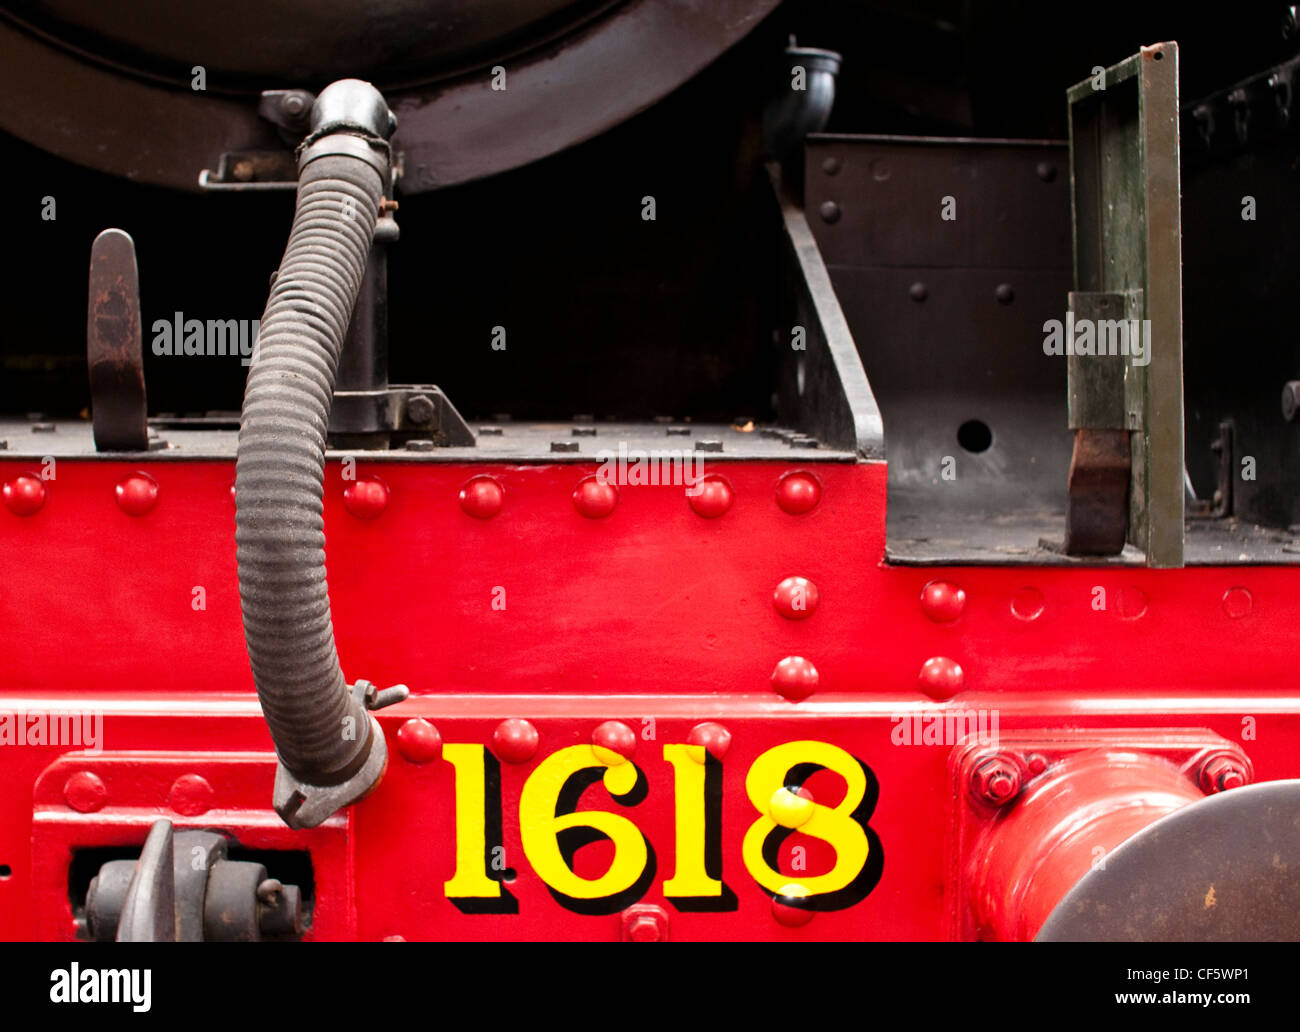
x=557, y=94
x=1223, y=869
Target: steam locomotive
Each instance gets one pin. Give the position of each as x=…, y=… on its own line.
x=649, y=470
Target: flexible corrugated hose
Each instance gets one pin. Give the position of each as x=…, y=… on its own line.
x=279, y=479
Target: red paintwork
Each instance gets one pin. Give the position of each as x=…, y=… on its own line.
x=651, y=615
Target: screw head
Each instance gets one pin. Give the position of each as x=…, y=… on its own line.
x=482, y=498
x=136, y=494
x=366, y=497
x=24, y=495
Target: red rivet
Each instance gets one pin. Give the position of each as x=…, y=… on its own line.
x=1036, y=762
x=789, y=907
x=1237, y=602
x=595, y=498
x=515, y=740
x=1027, y=604
x=941, y=677
x=136, y=494
x=616, y=737
x=482, y=498
x=418, y=741
x=715, y=738
x=366, y=497
x=795, y=678
x=233, y=499
x=190, y=795
x=710, y=497
x=796, y=598
x=942, y=601
x=1132, y=603
x=85, y=792
x=24, y=495
x=798, y=493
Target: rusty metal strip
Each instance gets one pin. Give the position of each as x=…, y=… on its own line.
x=113, y=346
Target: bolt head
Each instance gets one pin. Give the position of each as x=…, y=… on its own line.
x=644, y=923
x=420, y=409
x=997, y=781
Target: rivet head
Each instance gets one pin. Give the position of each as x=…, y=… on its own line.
x=190, y=795
x=790, y=809
x=796, y=598
x=515, y=740
x=419, y=741
x=1237, y=602
x=85, y=792
x=798, y=493
x=1004, y=293
x=233, y=498
x=942, y=601
x=830, y=211
x=24, y=495
x=789, y=906
x=595, y=498
x=710, y=497
x=613, y=742
x=366, y=497
x=1132, y=603
x=136, y=494
x=918, y=291
x=712, y=737
x=1027, y=604
x=482, y=497
x=795, y=678
x=941, y=677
